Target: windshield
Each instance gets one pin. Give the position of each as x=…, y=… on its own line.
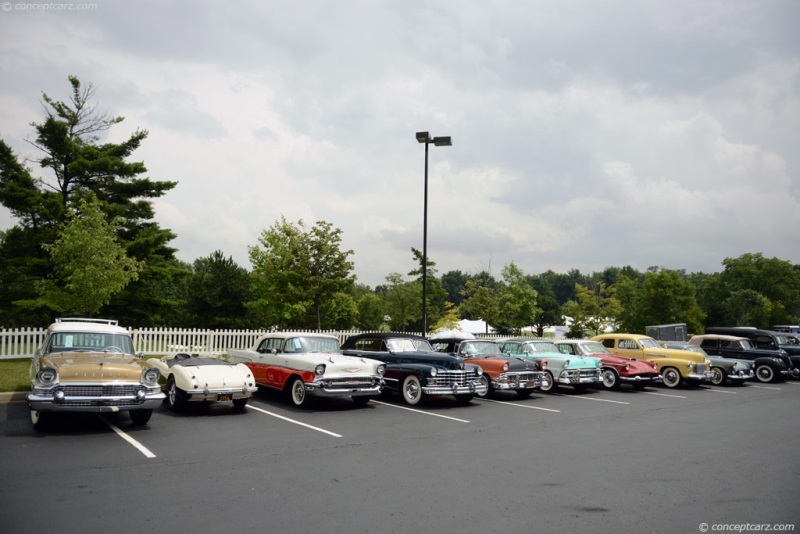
x=592, y=347
x=482, y=348
x=542, y=346
x=90, y=342
x=648, y=343
x=311, y=344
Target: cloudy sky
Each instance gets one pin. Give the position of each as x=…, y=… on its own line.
x=586, y=134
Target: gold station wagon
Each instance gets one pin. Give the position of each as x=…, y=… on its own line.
x=88, y=365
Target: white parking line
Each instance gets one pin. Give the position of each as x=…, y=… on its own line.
x=144, y=450
x=295, y=422
x=589, y=398
x=521, y=405
x=663, y=395
x=721, y=391
x=420, y=411
x=765, y=387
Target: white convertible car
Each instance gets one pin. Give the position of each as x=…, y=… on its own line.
x=194, y=379
x=304, y=365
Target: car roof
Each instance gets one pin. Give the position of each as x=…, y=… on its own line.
x=725, y=337
x=69, y=324
x=287, y=335
x=386, y=335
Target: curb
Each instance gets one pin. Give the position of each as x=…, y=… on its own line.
x=13, y=396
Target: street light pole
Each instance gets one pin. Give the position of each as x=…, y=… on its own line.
x=424, y=137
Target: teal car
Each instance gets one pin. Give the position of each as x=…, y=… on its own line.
x=560, y=369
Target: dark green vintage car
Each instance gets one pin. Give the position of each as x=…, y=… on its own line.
x=722, y=369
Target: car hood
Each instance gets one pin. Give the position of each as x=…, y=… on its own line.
x=335, y=364
x=80, y=366
x=677, y=354
x=575, y=361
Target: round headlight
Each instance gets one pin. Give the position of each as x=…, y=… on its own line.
x=505, y=367
x=566, y=364
x=543, y=365
x=381, y=369
x=691, y=366
x=319, y=370
x=433, y=371
x=150, y=376
x=627, y=367
x=47, y=375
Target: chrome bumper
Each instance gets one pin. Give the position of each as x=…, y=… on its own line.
x=212, y=394
x=634, y=379
x=512, y=382
x=474, y=388
x=342, y=389
x=743, y=377
x=698, y=378
x=578, y=377
x=42, y=403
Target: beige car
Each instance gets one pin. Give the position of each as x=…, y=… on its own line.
x=88, y=365
x=675, y=366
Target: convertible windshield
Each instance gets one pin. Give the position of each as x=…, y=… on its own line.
x=90, y=342
x=311, y=344
x=408, y=345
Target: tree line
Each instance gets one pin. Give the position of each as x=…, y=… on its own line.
x=85, y=243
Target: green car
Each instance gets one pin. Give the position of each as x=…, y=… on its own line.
x=576, y=371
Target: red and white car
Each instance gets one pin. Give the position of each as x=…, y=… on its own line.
x=615, y=370
x=307, y=365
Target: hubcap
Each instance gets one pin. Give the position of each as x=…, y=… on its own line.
x=608, y=379
x=299, y=392
x=412, y=390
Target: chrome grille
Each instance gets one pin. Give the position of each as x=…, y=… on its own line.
x=349, y=382
x=522, y=376
x=100, y=390
x=452, y=377
x=700, y=368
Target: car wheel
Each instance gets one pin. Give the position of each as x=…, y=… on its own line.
x=548, y=383
x=176, y=399
x=297, y=392
x=764, y=373
x=140, y=417
x=718, y=376
x=39, y=419
x=671, y=376
x=524, y=393
x=361, y=400
x=483, y=380
x=239, y=404
x=464, y=398
x=412, y=390
x=609, y=378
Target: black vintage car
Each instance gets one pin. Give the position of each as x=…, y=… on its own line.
x=414, y=369
x=770, y=365
x=500, y=372
x=765, y=339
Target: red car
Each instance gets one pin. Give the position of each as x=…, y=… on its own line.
x=616, y=370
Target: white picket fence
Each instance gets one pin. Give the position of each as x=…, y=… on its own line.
x=23, y=342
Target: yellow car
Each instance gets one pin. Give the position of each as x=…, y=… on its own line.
x=676, y=366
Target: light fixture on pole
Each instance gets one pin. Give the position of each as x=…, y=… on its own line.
x=424, y=137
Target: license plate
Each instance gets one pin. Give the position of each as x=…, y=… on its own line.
x=224, y=397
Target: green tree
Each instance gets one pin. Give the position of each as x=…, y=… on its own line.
x=297, y=272
x=217, y=291
x=90, y=264
x=661, y=296
x=594, y=309
x=403, y=302
x=481, y=301
x=371, y=311
x=517, y=300
x=549, y=314
x=77, y=165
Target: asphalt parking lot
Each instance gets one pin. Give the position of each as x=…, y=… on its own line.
x=658, y=460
